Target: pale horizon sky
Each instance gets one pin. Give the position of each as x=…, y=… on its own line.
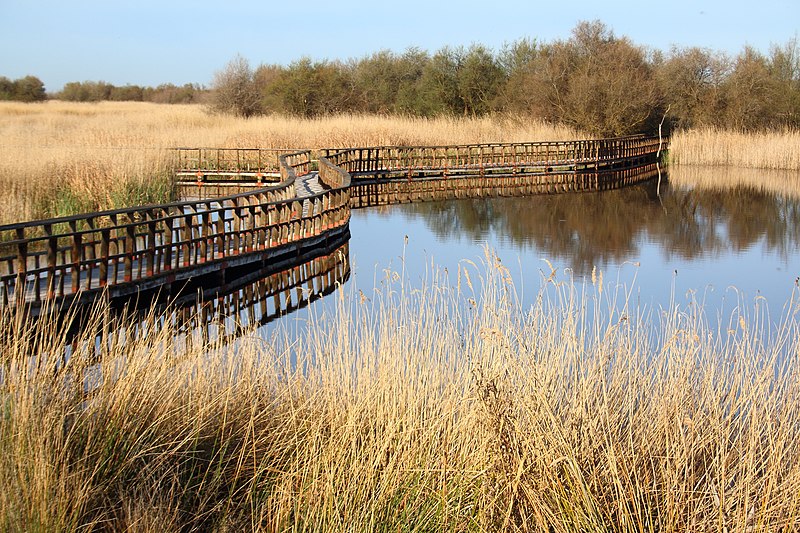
x=152, y=42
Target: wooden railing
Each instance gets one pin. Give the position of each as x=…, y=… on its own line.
x=575, y=155
x=54, y=258
x=127, y=250
x=250, y=162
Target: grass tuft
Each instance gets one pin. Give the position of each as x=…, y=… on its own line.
x=436, y=407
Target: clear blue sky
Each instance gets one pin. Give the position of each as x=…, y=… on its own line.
x=148, y=42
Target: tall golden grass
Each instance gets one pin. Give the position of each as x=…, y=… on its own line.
x=768, y=150
x=60, y=158
x=441, y=407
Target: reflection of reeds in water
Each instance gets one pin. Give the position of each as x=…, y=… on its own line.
x=783, y=182
x=425, y=408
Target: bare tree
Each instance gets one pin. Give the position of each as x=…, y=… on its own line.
x=611, y=87
x=234, y=89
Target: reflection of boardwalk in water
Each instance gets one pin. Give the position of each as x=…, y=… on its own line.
x=170, y=248
x=224, y=312
x=229, y=311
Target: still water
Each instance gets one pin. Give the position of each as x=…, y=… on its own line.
x=720, y=237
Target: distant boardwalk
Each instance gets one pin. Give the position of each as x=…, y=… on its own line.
x=241, y=223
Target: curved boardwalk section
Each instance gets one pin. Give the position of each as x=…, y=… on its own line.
x=166, y=248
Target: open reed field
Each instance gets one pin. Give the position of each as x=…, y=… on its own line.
x=773, y=150
x=440, y=407
x=61, y=158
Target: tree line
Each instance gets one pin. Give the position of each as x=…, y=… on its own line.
x=32, y=89
x=95, y=91
x=594, y=80
x=27, y=89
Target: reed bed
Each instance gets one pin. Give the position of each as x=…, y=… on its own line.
x=438, y=407
x=766, y=150
x=61, y=158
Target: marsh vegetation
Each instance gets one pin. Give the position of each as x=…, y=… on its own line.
x=442, y=406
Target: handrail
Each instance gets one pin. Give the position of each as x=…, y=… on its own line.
x=466, y=156
x=60, y=257
x=204, y=160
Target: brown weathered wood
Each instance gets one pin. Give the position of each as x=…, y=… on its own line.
x=52, y=257
x=149, y=242
x=130, y=247
x=105, y=246
x=75, y=255
x=150, y=254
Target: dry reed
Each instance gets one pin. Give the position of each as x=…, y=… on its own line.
x=439, y=407
x=60, y=158
x=768, y=150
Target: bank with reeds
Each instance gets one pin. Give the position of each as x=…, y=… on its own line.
x=776, y=150
x=436, y=407
x=62, y=158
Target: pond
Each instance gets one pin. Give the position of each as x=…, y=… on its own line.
x=718, y=236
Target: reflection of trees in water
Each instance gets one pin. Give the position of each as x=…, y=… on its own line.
x=590, y=229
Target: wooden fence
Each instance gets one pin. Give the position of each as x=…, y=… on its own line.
x=205, y=163
x=125, y=251
x=533, y=157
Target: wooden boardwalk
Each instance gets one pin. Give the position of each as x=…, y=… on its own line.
x=124, y=253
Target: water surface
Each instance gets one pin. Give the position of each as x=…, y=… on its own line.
x=721, y=237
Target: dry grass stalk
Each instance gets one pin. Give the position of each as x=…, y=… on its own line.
x=412, y=408
x=771, y=150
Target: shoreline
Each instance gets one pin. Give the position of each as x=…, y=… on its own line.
x=63, y=158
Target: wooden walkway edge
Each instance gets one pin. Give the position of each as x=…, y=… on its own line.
x=122, y=253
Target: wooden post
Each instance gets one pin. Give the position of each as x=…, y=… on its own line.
x=167, y=240
x=219, y=232
x=204, y=232
x=116, y=239
x=237, y=225
x=187, y=240
x=151, y=242
x=52, y=255
x=130, y=246
x=21, y=267
x=75, y=256
x=105, y=237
